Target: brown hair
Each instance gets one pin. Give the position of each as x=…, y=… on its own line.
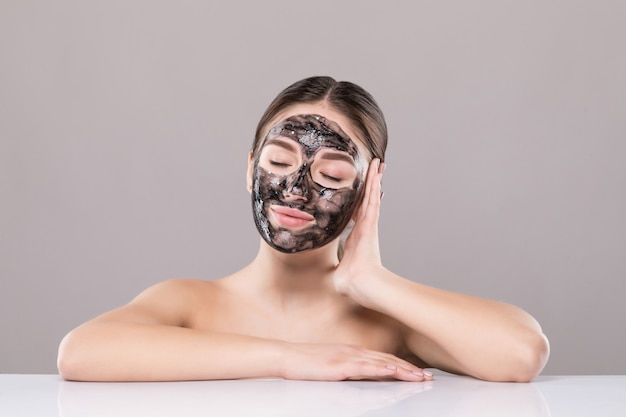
x=352, y=101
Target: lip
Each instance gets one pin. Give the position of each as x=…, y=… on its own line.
x=290, y=217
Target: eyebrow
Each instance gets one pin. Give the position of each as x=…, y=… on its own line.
x=285, y=144
x=338, y=156
x=332, y=155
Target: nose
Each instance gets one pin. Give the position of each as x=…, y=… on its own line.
x=297, y=187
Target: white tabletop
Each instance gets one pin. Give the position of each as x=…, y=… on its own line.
x=447, y=395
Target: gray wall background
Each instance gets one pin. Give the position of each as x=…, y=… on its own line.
x=125, y=126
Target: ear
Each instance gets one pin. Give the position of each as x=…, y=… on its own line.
x=250, y=172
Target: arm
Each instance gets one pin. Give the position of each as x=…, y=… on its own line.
x=455, y=332
x=147, y=341
x=459, y=333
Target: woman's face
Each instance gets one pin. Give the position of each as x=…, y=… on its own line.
x=306, y=181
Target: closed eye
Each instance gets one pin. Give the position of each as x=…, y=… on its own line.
x=331, y=178
x=279, y=164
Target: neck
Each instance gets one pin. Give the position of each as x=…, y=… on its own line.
x=306, y=272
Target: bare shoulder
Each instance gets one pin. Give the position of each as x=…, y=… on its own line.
x=172, y=302
x=181, y=293
x=176, y=290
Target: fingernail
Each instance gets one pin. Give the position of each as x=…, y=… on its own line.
x=428, y=373
x=382, y=194
x=418, y=373
x=382, y=168
x=392, y=367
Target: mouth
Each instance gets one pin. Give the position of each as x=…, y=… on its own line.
x=290, y=217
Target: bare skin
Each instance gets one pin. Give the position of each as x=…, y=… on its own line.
x=307, y=316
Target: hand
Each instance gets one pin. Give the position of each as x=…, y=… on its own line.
x=333, y=362
x=361, y=259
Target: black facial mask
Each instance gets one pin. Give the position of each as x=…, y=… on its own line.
x=307, y=180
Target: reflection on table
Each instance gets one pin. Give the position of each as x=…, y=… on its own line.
x=447, y=396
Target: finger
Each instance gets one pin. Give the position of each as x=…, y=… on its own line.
x=413, y=375
x=374, y=370
x=409, y=372
x=371, y=199
x=386, y=362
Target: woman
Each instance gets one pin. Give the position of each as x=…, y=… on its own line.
x=306, y=308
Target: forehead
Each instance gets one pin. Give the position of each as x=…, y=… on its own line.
x=324, y=109
x=314, y=132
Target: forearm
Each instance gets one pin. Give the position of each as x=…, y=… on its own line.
x=137, y=352
x=483, y=338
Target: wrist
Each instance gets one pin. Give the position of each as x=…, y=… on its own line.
x=366, y=287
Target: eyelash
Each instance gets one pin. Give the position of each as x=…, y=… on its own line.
x=285, y=165
x=331, y=178
x=279, y=164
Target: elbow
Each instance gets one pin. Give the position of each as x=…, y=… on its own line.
x=66, y=370
x=530, y=359
x=66, y=360
x=69, y=363
x=521, y=363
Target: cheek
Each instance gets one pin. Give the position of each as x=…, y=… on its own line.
x=333, y=202
x=276, y=183
x=267, y=183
